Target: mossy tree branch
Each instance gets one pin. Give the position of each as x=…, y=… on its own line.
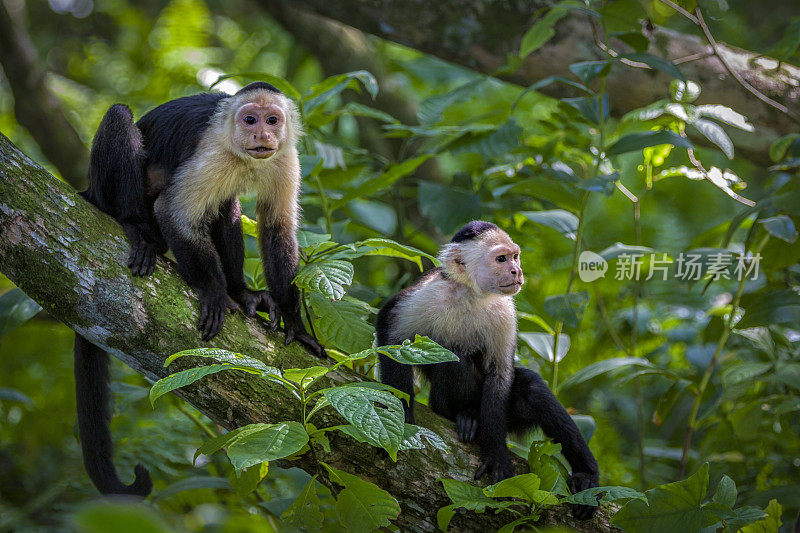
x=70, y=258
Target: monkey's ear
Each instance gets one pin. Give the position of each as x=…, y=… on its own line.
x=452, y=258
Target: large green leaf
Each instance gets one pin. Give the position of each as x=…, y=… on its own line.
x=542, y=344
x=389, y=176
x=431, y=109
x=15, y=309
x=726, y=492
x=525, y=487
x=187, y=377
x=390, y=248
x=422, y=351
x=562, y=221
x=329, y=277
x=768, y=308
x=192, y=483
x=780, y=226
x=541, y=31
x=672, y=507
x=595, y=369
x=362, y=506
x=343, y=323
x=610, y=494
x=639, y=141
x=567, y=308
x=223, y=356
x=267, y=443
x=305, y=377
x=304, y=511
x=447, y=206
x=375, y=413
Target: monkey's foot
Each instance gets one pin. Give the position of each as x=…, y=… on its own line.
x=497, y=466
x=577, y=482
x=213, y=306
x=252, y=301
x=466, y=425
x=142, y=258
x=299, y=333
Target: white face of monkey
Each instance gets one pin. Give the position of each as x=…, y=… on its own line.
x=490, y=263
x=260, y=127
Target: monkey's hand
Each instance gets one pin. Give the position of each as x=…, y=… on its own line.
x=467, y=425
x=497, y=465
x=142, y=259
x=213, y=305
x=577, y=482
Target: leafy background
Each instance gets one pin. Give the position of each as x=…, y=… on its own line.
x=638, y=363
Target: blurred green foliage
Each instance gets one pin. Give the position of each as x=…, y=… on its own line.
x=530, y=163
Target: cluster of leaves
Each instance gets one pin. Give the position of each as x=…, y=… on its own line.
x=373, y=412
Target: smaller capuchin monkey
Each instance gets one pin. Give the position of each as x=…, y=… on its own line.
x=467, y=306
x=172, y=180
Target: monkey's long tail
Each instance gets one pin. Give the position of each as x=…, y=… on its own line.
x=92, y=394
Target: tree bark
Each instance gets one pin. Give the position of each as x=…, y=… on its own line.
x=35, y=107
x=479, y=34
x=70, y=257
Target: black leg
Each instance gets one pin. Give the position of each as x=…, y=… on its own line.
x=401, y=377
x=493, y=430
x=281, y=257
x=198, y=263
x=533, y=404
x=226, y=234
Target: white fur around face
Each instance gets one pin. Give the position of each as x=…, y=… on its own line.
x=220, y=170
x=460, y=319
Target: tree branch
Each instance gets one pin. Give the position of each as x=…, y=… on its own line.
x=70, y=258
x=479, y=34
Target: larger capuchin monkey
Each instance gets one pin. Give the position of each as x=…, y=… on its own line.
x=467, y=306
x=172, y=180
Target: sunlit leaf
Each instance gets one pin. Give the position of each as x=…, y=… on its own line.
x=328, y=277
x=362, y=506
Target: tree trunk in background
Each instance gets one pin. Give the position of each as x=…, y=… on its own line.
x=479, y=34
x=70, y=258
x=35, y=107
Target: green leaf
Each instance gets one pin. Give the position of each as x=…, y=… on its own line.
x=389, y=176
x=362, y=506
x=305, y=511
x=769, y=524
x=192, y=483
x=267, y=443
x=101, y=517
x=305, y=377
x=330, y=87
x=329, y=277
x=726, y=492
x=223, y=356
x=779, y=148
x=247, y=481
x=490, y=145
x=390, y=248
x=781, y=227
x=769, y=308
x=423, y=351
x=743, y=372
x=618, y=249
x=431, y=109
x=562, y=221
x=604, y=184
x=672, y=507
x=343, y=322
x=567, y=308
x=308, y=240
x=415, y=437
x=525, y=487
x=377, y=414
x=447, y=206
x=715, y=134
x=541, y=31
x=220, y=441
x=15, y=309
x=656, y=63
x=187, y=377
x=467, y=496
x=639, y=141
x=610, y=494
x=602, y=367
x=789, y=42
x=542, y=344
x=587, y=71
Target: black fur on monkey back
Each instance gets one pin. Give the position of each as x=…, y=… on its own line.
x=173, y=130
x=471, y=230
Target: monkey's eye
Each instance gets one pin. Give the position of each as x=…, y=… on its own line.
x=272, y=120
x=501, y=259
x=516, y=256
x=249, y=119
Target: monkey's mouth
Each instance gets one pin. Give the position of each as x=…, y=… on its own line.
x=512, y=284
x=260, y=152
